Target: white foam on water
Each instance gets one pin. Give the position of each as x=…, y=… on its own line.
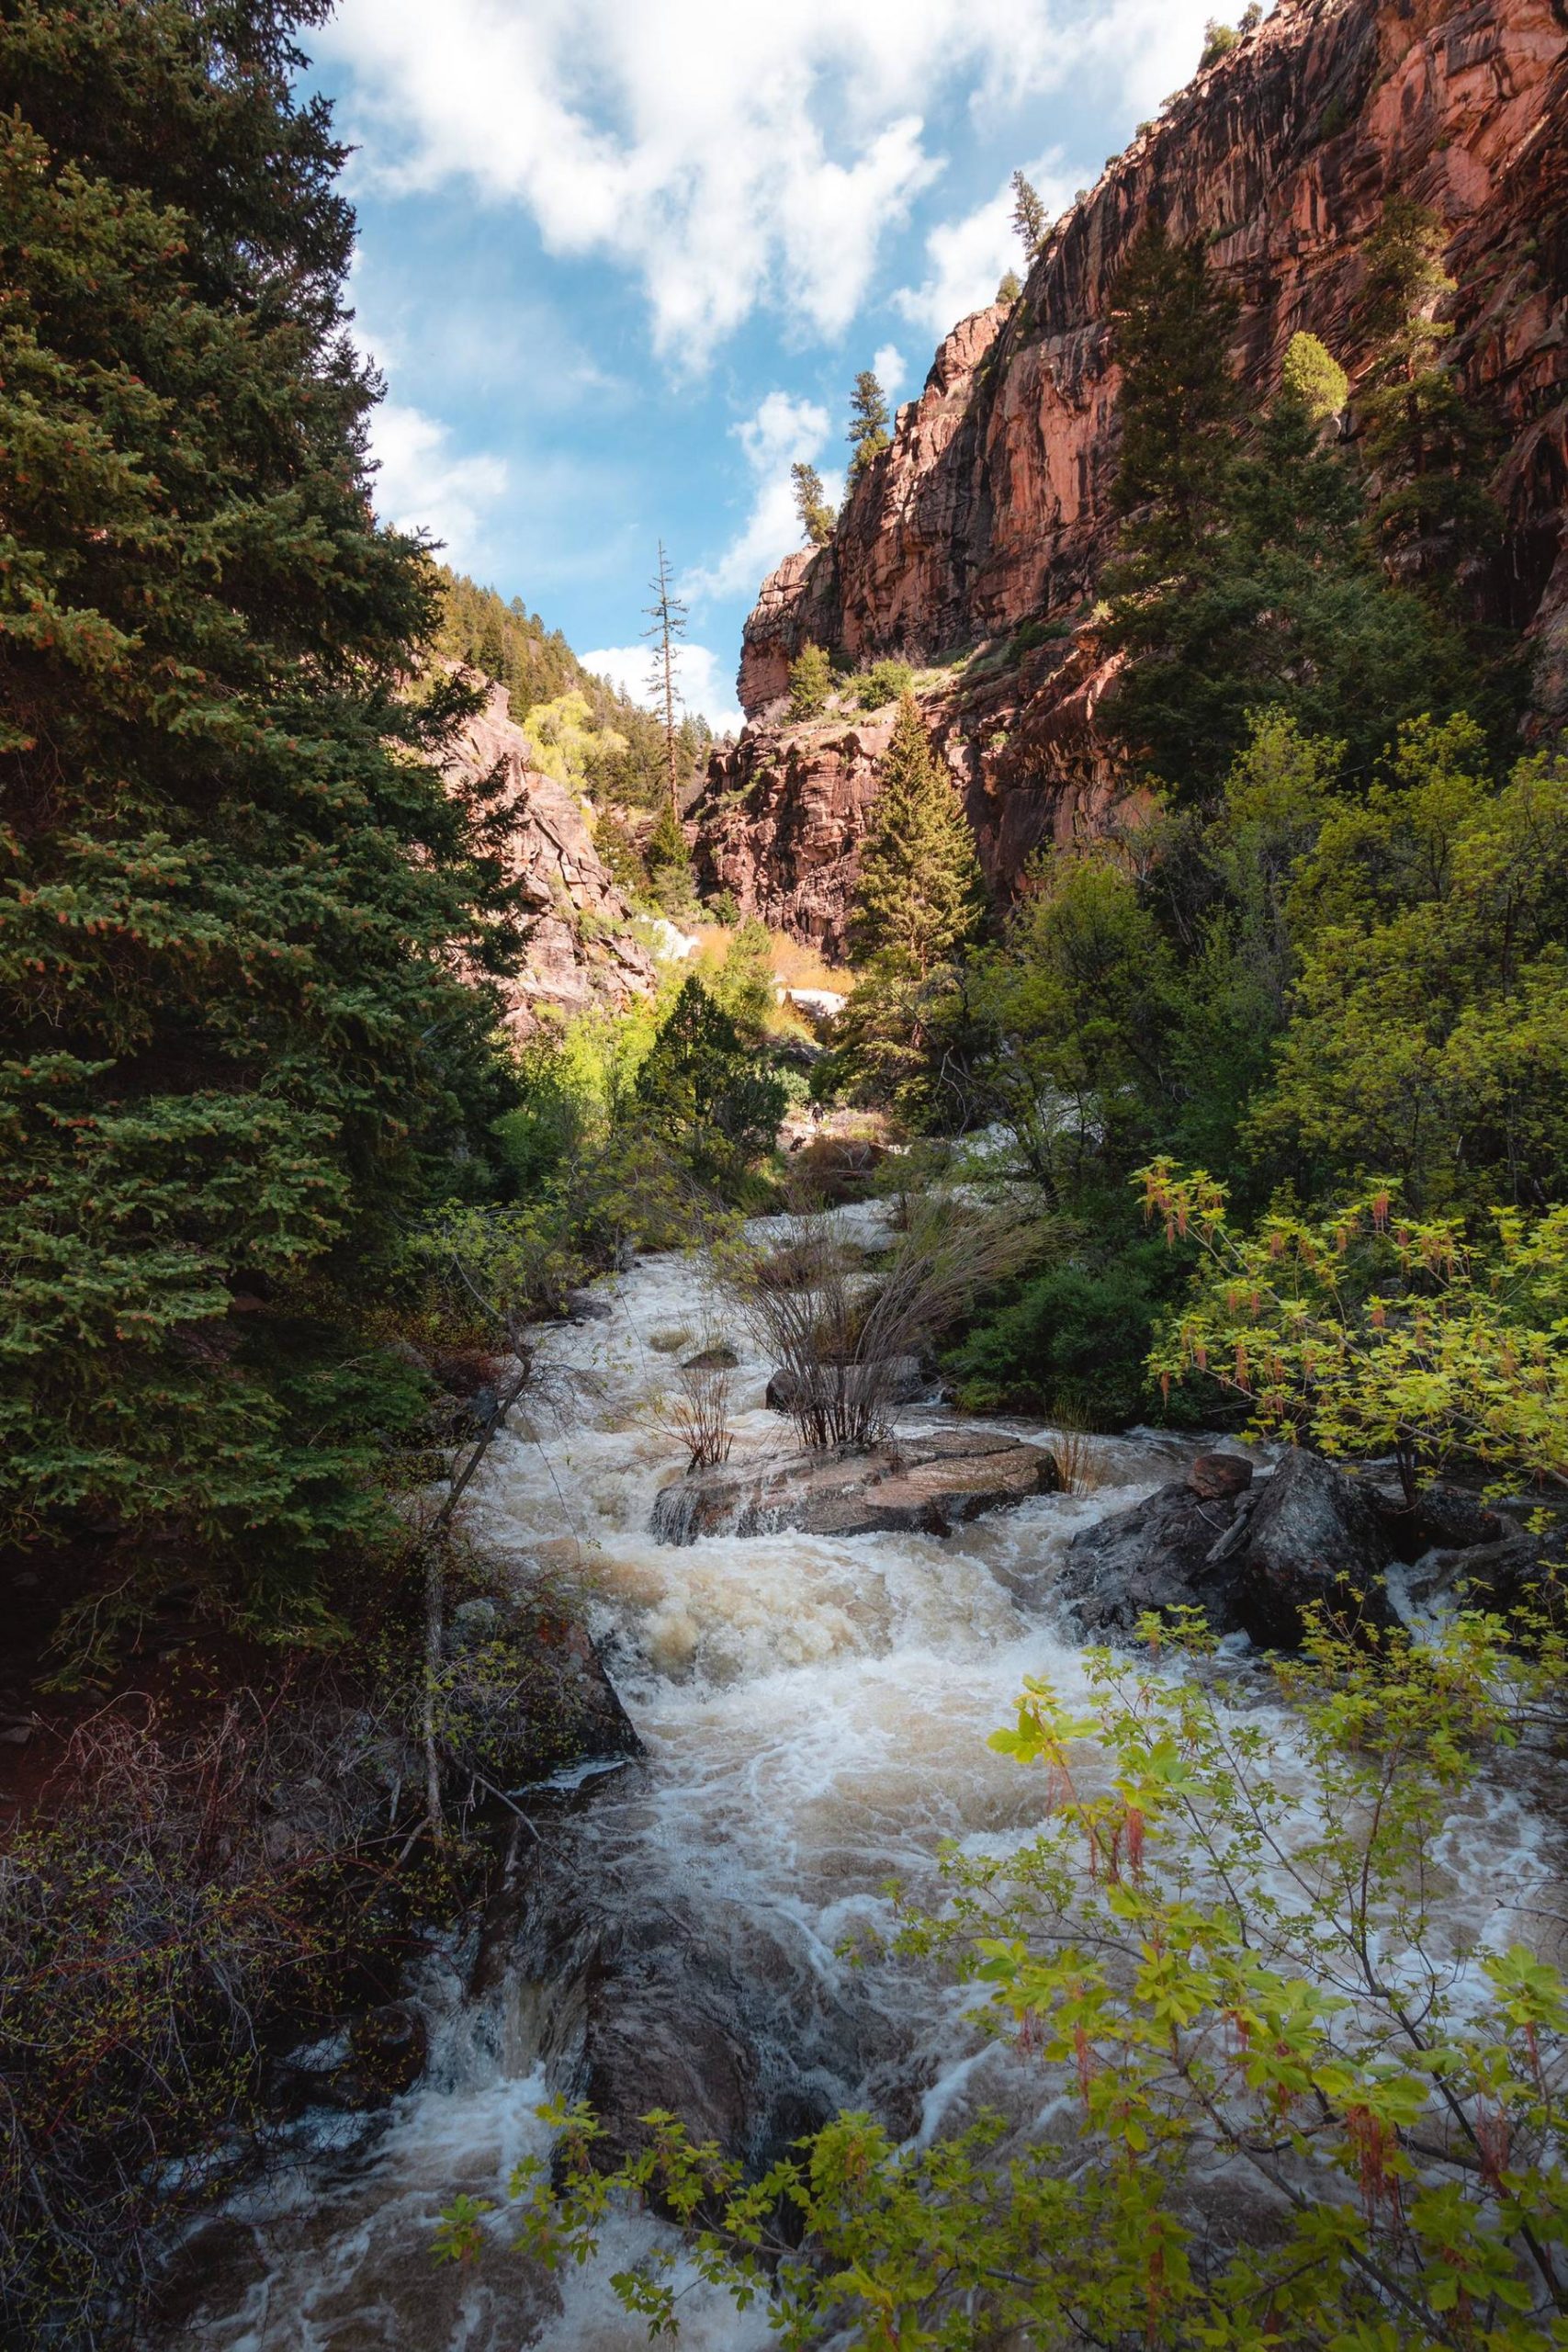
x=816, y=1711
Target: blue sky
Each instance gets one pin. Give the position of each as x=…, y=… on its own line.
x=620, y=260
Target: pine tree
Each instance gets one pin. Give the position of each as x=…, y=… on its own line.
x=702, y=1091
x=1244, y=577
x=1029, y=218
x=811, y=682
x=917, y=894
x=816, y=516
x=1179, y=408
x=231, y=886
x=1425, y=447
x=667, y=615
x=867, y=435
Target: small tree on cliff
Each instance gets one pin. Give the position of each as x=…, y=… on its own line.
x=816, y=516
x=918, y=898
x=1028, y=217
x=869, y=420
x=810, y=682
x=1010, y=289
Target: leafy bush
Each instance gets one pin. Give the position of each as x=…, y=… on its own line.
x=701, y=1093
x=1376, y=1332
x=1074, y=1340
x=884, y=682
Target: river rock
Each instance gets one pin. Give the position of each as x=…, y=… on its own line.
x=925, y=1482
x=1443, y=1517
x=719, y=1359
x=1253, y=1562
x=1307, y=1534
x=587, y=1306
x=1219, y=1477
x=902, y=1380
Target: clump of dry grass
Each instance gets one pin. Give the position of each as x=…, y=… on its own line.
x=668, y=1342
x=844, y=1331
x=696, y=1413
x=1080, y=1461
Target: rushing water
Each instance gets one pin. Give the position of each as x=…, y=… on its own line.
x=816, y=1714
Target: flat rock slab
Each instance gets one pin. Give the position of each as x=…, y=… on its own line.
x=927, y=1483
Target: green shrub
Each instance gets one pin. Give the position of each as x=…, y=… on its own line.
x=884, y=683
x=1074, y=1340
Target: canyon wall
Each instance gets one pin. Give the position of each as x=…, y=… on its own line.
x=581, y=950
x=991, y=507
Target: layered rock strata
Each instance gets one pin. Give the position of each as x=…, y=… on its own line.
x=991, y=507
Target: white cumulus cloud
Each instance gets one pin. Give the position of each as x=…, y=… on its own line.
x=781, y=432
x=887, y=367
x=726, y=156
x=704, y=679
x=965, y=259
x=423, y=483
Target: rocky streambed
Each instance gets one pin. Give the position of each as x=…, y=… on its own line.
x=812, y=1656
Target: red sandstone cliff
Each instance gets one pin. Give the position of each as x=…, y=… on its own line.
x=581, y=950
x=991, y=506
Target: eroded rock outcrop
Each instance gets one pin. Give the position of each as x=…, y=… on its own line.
x=582, y=949
x=991, y=508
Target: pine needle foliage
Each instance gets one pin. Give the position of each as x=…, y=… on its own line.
x=917, y=896
x=233, y=887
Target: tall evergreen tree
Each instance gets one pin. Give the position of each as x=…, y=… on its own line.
x=869, y=420
x=1425, y=446
x=1028, y=220
x=917, y=895
x=1245, y=577
x=816, y=515
x=1179, y=407
x=233, y=888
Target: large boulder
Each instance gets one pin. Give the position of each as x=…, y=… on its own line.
x=1306, y=1535
x=926, y=1483
x=1253, y=1560
x=1151, y=1555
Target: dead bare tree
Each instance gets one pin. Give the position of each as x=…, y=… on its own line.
x=842, y=1332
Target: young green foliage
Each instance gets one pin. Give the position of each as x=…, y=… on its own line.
x=1373, y=1332
x=811, y=682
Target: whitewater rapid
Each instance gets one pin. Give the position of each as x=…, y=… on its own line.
x=816, y=1713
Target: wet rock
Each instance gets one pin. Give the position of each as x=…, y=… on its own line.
x=474, y=1620
x=1151, y=1555
x=719, y=1359
x=587, y=1306
x=1443, y=1518
x=927, y=1483
x=902, y=1381
x=1519, y=1569
x=528, y=1700
x=1253, y=1562
x=1219, y=1477
x=1308, y=1534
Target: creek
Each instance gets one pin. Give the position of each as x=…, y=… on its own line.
x=816, y=1714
